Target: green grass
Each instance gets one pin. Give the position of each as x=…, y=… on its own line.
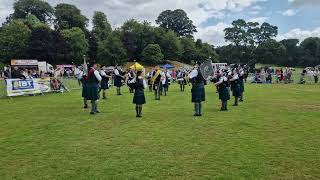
x=274, y=134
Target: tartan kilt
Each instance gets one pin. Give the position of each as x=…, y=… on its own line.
x=104, y=84
x=198, y=93
x=158, y=86
x=241, y=87
x=224, y=93
x=139, y=97
x=118, y=82
x=92, y=91
x=84, y=90
x=236, y=90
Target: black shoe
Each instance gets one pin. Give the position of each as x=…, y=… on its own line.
x=104, y=98
x=241, y=100
x=85, y=107
x=97, y=112
x=91, y=113
x=197, y=115
x=235, y=105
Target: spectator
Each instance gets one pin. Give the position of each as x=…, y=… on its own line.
x=16, y=73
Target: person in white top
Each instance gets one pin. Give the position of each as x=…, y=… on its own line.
x=118, y=79
x=223, y=89
x=235, y=86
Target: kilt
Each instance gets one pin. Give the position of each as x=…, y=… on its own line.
x=139, y=97
x=92, y=91
x=224, y=93
x=182, y=82
x=117, y=81
x=198, y=93
x=241, y=86
x=236, y=90
x=104, y=84
x=84, y=90
x=158, y=86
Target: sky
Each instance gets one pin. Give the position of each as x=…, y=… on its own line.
x=295, y=18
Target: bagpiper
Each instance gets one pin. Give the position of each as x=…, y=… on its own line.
x=182, y=80
x=165, y=81
x=156, y=82
x=93, y=80
x=130, y=80
x=235, y=86
x=198, y=90
x=118, y=79
x=223, y=89
x=104, y=82
x=241, y=82
x=139, y=98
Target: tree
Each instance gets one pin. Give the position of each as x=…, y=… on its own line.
x=293, y=52
x=267, y=31
x=40, y=44
x=111, y=51
x=69, y=16
x=270, y=52
x=152, y=54
x=177, y=21
x=101, y=26
x=311, y=49
x=206, y=52
x=169, y=43
x=189, y=51
x=77, y=44
x=237, y=33
x=41, y=9
x=14, y=40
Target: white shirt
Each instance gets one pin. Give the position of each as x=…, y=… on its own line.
x=97, y=74
x=102, y=73
x=193, y=74
x=116, y=72
x=235, y=77
x=144, y=82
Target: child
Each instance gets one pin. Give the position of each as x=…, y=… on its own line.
x=139, y=98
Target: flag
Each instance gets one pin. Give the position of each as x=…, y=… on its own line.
x=206, y=69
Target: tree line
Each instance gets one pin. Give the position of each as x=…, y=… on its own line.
x=36, y=30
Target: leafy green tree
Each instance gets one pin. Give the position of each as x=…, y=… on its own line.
x=41, y=43
x=77, y=44
x=270, y=52
x=101, y=26
x=311, y=49
x=293, y=53
x=267, y=32
x=206, y=52
x=14, y=40
x=69, y=16
x=177, y=21
x=111, y=51
x=169, y=43
x=237, y=33
x=152, y=54
x=189, y=50
x=41, y=9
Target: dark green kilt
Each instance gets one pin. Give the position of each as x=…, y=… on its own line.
x=104, y=84
x=236, y=90
x=158, y=86
x=118, y=81
x=198, y=93
x=241, y=86
x=92, y=91
x=139, y=97
x=224, y=93
x=84, y=90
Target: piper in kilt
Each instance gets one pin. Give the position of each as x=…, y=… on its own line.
x=241, y=82
x=118, y=79
x=139, y=98
x=235, y=86
x=130, y=81
x=156, y=81
x=165, y=76
x=93, y=80
x=104, y=82
x=223, y=89
x=198, y=91
x=182, y=80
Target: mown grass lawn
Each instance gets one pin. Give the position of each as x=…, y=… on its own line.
x=274, y=134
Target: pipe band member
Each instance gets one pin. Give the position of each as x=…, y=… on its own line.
x=83, y=81
x=198, y=91
x=182, y=80
x=118, y=79
x=93, y=81
x=235, y=86
x=130, y=82
x=241, y=83
x=157, y=84
x=139, y=98
x=104, y=82
x=223, y=89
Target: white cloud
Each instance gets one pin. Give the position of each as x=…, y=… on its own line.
x=289, y=12
x=304, y=2
x=213, y=34
x=299, y=34
x=260, y=20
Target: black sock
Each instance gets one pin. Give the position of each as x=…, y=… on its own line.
x=137, y=110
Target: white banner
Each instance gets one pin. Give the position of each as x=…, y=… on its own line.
x=20, y=87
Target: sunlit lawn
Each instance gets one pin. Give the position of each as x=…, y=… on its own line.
x=274, y=134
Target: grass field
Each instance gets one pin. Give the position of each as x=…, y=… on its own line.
x=274, y=134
